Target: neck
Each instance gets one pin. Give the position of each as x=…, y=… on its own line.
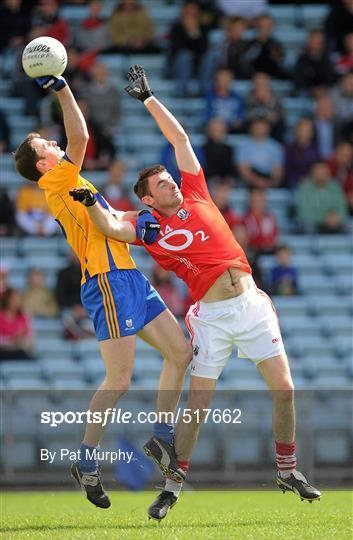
x=168, y=212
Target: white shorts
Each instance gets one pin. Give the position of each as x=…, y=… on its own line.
x=248, y=321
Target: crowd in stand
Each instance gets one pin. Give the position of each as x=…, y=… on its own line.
x=314, y=159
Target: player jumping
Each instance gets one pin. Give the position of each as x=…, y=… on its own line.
x=118, y=298
x=196, y=243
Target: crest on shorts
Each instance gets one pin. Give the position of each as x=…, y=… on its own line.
x=128, y=323
x=183, y=214
x=196, y=350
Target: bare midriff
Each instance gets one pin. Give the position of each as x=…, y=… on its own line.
x=231, y=283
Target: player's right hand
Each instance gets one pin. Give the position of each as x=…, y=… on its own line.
x=84, y=196
x=147, y=227
x=50, y=82
x=138, y=87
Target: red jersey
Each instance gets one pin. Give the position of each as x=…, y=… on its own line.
x=196, y=243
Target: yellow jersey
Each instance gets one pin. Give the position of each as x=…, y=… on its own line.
x=97, y=253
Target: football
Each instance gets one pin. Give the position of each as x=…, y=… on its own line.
x=44, y=56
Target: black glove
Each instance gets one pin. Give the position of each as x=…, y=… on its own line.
x=147, y=227
x=84, y=196
x=139, y=87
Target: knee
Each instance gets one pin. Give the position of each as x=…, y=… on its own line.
x=285, y=390
x=119, y=384
x=183, y=355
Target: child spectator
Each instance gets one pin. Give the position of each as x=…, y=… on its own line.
x=114, y=189
x=32, y=214
x=301, y=153
x=321, y=204
x=218, y=155
x=260, y=224
x=284, y=276
x=223, y=102
x=260, y=158
x=162, y=280
x=38, y=300
x=16, y=336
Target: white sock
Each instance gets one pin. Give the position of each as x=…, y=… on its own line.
x=174, y=487
x=286, y=474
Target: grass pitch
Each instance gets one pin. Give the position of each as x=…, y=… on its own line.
x=199, y=515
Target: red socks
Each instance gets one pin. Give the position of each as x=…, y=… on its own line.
x=184, y=465
x=285, y=458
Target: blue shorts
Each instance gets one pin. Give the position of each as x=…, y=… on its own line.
x=120, y=303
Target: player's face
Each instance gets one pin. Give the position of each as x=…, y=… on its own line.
x=164, y=193
x=49, y=154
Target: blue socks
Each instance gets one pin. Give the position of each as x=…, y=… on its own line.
x=164, y=431
x=88, y=460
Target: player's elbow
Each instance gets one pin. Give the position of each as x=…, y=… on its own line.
x=181, y=137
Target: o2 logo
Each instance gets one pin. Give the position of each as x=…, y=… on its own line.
x=188, y=238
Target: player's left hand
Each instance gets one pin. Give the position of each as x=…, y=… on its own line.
x=50, y=82
x=147, y=227
x=84, y=196
x=139, y=87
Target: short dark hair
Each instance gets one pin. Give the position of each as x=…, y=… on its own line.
x=141, y=187
x=26, y=158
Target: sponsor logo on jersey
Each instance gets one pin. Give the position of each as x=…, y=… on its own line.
x=183, y=214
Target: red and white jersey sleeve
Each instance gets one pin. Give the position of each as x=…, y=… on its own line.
x=196, y=242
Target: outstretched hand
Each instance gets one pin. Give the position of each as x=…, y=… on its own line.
x=139, y=87
x=50, y=82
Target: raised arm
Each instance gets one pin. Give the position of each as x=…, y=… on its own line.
x=74, y=122
x=146, y=227
x=167, y=123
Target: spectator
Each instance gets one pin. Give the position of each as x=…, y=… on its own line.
x=234, y=49
x=76, y=323
x=260, y=159
x=32, y=214
x=92, y=34
x=46, y=21
x=38, y=300
x=342, y=96
x=16, y=337
x=188, y=56
x=344, y=61
x=321, y=204
x=262, y=101
x=326, y=129
x=162, y=280
x=223, y=102
x=7, y=214
x=103, y=100
x=4, y=133
x=167, y=158
x=341, y=168
x=78, y=68
x=100, y=150
x=221, y=194
x=301, y=153
x=218, y=155
x=249, y=9
x=284, y=276
x=339, y=23
x=266, y=53
x=114, y=188
x=14, y=24
x=260, y=224
x=314, y=69
x=131, y=29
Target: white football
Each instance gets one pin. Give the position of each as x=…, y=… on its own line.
x=44, y=56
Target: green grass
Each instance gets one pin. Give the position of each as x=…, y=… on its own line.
x=198, y=515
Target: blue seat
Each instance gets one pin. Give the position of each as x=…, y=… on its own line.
x=300, y=325
x=23, y=454
x=244, y=448
x=284, y=14
x=332, y=447
x=53, y=348
x=332, y=382
x=27, y=383
x=313, y=15
x=337, y=325
x=62, y=369
x=20, y=369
